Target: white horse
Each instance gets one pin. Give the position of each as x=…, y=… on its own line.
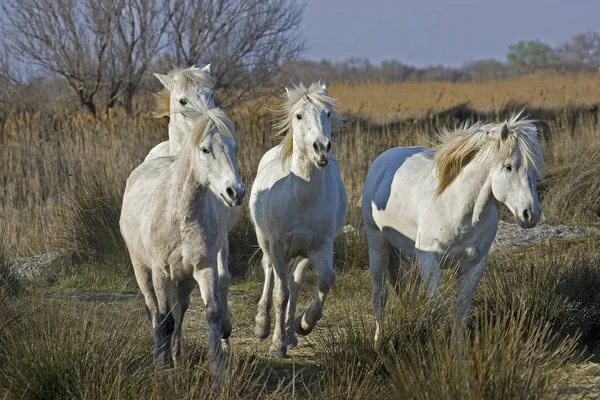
x=184, y=90
x=438, y=208
x=174, y=221
x=298, y=204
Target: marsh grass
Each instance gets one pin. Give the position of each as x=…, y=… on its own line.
x=512, y=356
x=91, y=220
x=76, y=350
x=62, y=180
x=556, y=283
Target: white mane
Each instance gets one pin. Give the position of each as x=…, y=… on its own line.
x=483, y=141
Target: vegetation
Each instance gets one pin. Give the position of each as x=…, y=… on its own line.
x=80, y=331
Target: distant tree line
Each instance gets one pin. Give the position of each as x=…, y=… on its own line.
x=579, y=54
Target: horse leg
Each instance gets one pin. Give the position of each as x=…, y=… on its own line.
x=143, y=276
x=379, y=256
x=280, y=299
x=431, y=272
x=164, y=323
x=262, y=322
x=322, y=259
x=184, y=289
x=207, y=278
x=468, y=278
x=295, y=283
x=224, y=282
x=394, y=264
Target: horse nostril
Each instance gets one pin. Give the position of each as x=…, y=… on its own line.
x=328, y=147
x=316, y=147
x=526, y=215
x=231, y=193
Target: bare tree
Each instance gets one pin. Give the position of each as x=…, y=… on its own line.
x=583, y=48
x=245, y=40
x=139, y=36
x=69, y=38
x=97, y=46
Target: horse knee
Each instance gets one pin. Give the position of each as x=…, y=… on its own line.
x=224, y=281
x=214, y=314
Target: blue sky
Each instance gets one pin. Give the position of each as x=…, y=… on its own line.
x=448, y=32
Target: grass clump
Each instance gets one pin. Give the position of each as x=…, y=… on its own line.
x=556, y=282
x=91, y=220
x=513, y=356
x=572, y=189
x=74, y=350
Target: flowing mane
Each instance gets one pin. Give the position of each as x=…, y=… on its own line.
x=477, y=140
x=283, y=126
x=210, y=119
x=182, y=78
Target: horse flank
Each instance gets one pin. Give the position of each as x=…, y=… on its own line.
x=182, y=77
x=459, y=147
x=283, y=126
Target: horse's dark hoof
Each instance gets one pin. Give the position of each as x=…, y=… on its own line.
x=278, y=353
x=300, y=329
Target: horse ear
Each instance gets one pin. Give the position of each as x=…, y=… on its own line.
x=505, y=132
x=324, y=89
x=206, y=68
x=165, y=80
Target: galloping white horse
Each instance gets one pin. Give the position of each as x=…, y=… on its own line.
x=298, y=204
x=438, y=208
x=174, y=221
x=185, y=90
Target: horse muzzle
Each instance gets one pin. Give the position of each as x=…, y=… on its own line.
x=322, y=161
x=234, y=195
x=529, y=217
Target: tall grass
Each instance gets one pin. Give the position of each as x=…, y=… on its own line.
x=512, y=356
x=62, y=181
x=79, y=351
x=91, y=220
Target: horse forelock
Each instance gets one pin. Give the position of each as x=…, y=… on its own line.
x=209, y=120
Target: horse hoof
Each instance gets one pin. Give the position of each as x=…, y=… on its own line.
x=292, y=339
x=278, y=353
x=262, y=327
x=301, y=327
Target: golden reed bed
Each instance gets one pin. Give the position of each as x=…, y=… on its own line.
x=386, y=101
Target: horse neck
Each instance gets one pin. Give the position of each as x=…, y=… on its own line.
x=177, y=134
x=309, y=178
x=471, y=192
x=186, y=193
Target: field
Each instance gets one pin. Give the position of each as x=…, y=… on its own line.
x=79, y=330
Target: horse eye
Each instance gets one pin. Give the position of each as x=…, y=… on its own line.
x=183, y=102
x=205, y=150
x=508, y=167
x=298, y=116
x=328, y=114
